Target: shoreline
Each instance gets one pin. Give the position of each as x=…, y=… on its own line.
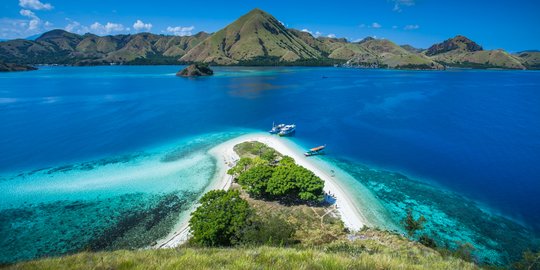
x=225, y=156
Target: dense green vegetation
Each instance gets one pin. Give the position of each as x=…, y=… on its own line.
x=220, y=219
x=283, y=180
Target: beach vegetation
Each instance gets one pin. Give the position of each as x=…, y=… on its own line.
x=283, y=181
x=241, y=166
x=255, y=180
x=220, y=219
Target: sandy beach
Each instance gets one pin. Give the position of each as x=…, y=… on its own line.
x=226, y=157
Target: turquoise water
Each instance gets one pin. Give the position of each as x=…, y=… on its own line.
x=106, y=157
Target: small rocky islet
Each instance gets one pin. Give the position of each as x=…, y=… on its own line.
x=195, y=70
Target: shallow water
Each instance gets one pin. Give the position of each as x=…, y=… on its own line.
x=75, y=140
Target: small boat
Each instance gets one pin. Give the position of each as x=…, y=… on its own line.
x=276, y=128
x=319, y=150
x=287, y=130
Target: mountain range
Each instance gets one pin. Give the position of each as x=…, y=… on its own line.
x=256, y=38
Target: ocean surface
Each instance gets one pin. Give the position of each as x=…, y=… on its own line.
x=108, y=157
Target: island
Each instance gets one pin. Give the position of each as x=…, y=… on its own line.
x=196, y=70
x=273, y=207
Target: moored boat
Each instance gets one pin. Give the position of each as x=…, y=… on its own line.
x=276, y=128
x=288, y=130
x=319, y=150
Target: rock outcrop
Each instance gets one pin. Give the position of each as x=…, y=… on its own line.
x=195, y=70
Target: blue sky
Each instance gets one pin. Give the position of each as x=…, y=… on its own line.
x=512, y=25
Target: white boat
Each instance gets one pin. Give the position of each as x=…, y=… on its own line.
x=276, y=128
x=288, y=130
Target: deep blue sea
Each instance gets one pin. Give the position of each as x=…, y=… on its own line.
x=132, y=139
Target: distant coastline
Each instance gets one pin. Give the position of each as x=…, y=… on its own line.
x=258, y=39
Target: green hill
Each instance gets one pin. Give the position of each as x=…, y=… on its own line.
x=369, y=250
x=390, y=55
x=530, y=59
x=463, y=52
x=61, y=47
x=370, y=52
x=256, y=36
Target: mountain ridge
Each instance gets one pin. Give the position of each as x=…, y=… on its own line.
x=255, y=38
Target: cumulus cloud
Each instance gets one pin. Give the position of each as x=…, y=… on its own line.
x=34, y=22
x=106, y=29
x=141, y=26
x=35, y=5
x=411, y=27
x=376, y=25
x=27, y=13
x=316, y=34
x=76, y=27
x=331, y=36
x=402, y=3
x=180, y=30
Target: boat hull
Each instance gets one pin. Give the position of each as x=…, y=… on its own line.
x=287, y=134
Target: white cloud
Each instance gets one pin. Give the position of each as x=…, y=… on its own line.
x=316, y=34
x=19, y=28
x=180, y=30
x=27, y=13
x=141, y=26
x=331, y=36
x=376, y=25
x=402, y=3
x=35, y=5
x=76, y=27
x=411, y=27
x=34, y=22
x=106, y=29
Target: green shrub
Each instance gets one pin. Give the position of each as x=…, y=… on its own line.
x=220, y=219
x=255, y=180
x=271, y=230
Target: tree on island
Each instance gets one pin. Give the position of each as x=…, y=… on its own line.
x=282, y=181
x=255, y=180
x=220, y=219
